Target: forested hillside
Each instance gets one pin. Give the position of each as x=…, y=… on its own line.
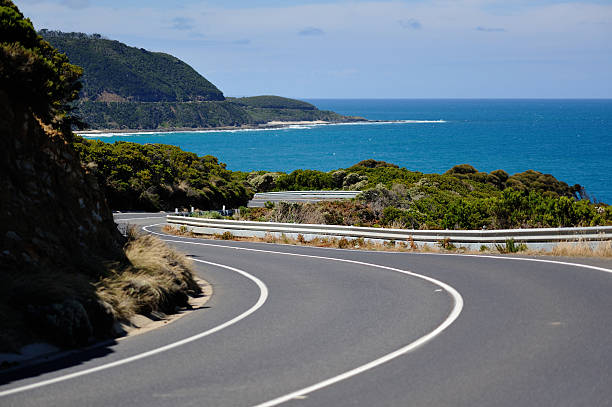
x=126, y=87
x=114, y=72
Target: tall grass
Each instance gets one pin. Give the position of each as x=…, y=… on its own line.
x=159, y=278
x=71, y=307
x=583, y=249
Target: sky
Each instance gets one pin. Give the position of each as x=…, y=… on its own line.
x=364, y=49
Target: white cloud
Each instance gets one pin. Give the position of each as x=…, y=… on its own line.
x=490, y=29
x=454, y=35
x=410, y=23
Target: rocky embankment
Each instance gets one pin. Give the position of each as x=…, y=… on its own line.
x=60, y=247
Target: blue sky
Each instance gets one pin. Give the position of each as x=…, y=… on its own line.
x=365, y=49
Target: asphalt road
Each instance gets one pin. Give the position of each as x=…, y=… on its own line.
x=529, y=333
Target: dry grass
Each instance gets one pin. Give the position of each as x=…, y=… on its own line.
x=296, y=213
x=581, y=249
x=71, y=307
x=159, y=278
x=300, y=240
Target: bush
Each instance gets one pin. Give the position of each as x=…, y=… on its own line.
x=446, y=244
x=207, y=215
x=511, y=247
x=227, y=235
x=157, y=177
x=303, y=180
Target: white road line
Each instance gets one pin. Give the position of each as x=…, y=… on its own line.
x=563, y=263
x=419, y=253
x=454, y=314
x=263, y=295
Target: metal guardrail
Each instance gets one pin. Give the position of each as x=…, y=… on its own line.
x=300, y=196
x=470, y=237
x=307, y=194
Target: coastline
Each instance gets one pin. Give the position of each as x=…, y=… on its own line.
x=262, y=126
x=272, y=125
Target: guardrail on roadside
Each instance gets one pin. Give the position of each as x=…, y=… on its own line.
x=300, y=196
x=323, y=194
x=536, y=238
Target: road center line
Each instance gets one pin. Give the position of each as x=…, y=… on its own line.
x=263, y=295
x=454, y=314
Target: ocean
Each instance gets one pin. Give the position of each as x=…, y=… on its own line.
x=570, y=139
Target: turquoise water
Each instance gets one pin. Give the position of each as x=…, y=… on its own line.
x=571, y=139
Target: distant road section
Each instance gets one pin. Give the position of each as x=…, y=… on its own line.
x=260, y=199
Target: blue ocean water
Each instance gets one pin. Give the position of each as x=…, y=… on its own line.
x=571, y=139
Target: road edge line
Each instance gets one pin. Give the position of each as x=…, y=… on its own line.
x=263, y=296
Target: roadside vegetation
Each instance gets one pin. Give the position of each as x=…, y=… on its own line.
x=67, y=273
x=461, y=198
x=71, y=309
x=156, y=177
x=601, y=249
x=157, y=278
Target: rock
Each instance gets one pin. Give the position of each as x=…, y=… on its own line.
x=66, y=324
x=12, y=235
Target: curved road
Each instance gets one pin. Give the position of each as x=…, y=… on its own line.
x=284, y=318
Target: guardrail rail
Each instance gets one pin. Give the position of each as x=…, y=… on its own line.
x=533, y=238
x=261, y=198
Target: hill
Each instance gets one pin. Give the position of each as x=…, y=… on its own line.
x=115, y=72
x=126, y=87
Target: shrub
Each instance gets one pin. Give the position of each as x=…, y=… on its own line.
x=300, y=180
x=510, y=247
x=343, y=243
x=461, y=169
x=446, y=244
x=412, y=244
x=161, y=177
x=207, y=215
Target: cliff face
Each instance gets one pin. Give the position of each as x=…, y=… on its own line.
x=56, y=231
x=52, y=212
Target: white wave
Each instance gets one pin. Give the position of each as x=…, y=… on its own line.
x=422, y=121
x=165, y=133
x=375, y=122
x=280, y=128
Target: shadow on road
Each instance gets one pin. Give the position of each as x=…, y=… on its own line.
x=56, y=362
